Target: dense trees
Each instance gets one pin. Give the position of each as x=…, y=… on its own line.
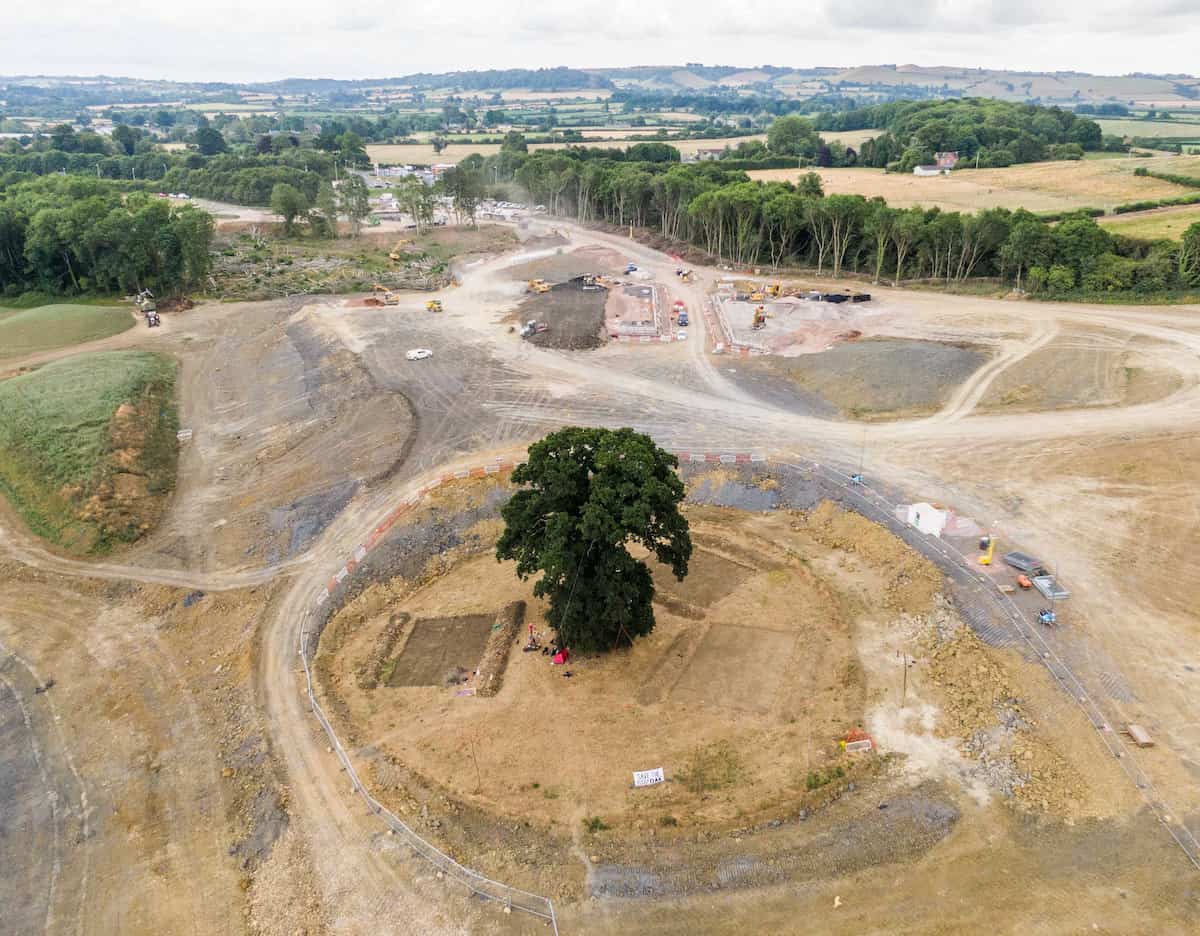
x=751, y=223
x=74, y=235
x=588, y=493
x=982, y=131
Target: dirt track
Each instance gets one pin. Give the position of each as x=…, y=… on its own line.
x=326, y=421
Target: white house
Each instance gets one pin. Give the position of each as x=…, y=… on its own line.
x=930, y=171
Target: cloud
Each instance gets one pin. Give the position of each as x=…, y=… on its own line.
x=239, y=40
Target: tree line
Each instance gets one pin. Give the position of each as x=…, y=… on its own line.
x=984, y=132
x=784, y=224
x=72, y=235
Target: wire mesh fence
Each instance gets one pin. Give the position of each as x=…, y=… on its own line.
x=510, y=897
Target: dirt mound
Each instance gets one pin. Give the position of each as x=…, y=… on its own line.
x=983, y=705
x=912, y=581
x=175, y=304
x=495, y=654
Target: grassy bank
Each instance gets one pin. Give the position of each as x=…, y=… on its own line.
x=46, y=327
x=88, y=449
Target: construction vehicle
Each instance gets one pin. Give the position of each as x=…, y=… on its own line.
x=152, y=319
x=396, y=253
x=1047, y=616
x=434, y=305
x=537, y=286
x=387, y=298
x=145, y=302
x=685, y=275
x=757, y=296
x=986, y=558
x=1024, y=582
x=774, y=290
x=533, y=327
x=760, y=318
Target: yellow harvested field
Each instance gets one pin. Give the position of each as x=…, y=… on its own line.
x=423, y=154
x=1169, y=223
x=1050, y=186
x=854, y=138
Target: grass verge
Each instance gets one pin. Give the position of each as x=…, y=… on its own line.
x=88, y=449
x=45, y=328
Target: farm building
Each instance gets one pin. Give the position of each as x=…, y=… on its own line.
x=930, y=171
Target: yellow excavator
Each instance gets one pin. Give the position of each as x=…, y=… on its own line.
x=774, y=289
x=434, y=305
x=396, y=254
x=986, y=558
x=760, y=318
x=757, y=296
x=384, y=295
x=538, y=286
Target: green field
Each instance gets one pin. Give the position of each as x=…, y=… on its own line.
x=44, y=328
x=1166, y=129
x=1168, y=223
x=80, y=474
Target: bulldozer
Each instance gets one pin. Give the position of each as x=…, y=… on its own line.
x=387, y=298
x=538, y=286
x=434, y=305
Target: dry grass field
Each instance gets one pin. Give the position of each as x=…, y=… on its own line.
x=1048, y=186
x=1156, y=224
x=1167, y=129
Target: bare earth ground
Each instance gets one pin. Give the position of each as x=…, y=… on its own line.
x=188, y=787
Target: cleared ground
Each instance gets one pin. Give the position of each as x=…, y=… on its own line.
x=1051, y=186
x=742, y=691
x=179, y=709
x=879, y=377
x=44, y=328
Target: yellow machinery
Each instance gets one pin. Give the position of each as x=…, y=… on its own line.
x=757, y=296
x=774, y=289
x=538, y=286
x=986, y=558
x=434, y=305
x=760, y=318
x=388, y=297
x=686, y=276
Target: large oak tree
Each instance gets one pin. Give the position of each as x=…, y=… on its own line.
x=589, y=494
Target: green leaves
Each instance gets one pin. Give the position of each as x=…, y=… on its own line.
x=590, y=492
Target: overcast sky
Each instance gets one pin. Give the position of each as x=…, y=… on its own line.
x=245, y=40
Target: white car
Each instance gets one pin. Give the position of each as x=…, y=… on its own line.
x=419, y=354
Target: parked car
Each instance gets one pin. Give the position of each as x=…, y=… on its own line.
x=419, y=354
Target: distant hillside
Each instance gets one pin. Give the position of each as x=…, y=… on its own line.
x=59, y=95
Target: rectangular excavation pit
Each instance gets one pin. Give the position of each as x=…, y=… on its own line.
x=710, y=578
x=739, y=668
x=439, y=645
